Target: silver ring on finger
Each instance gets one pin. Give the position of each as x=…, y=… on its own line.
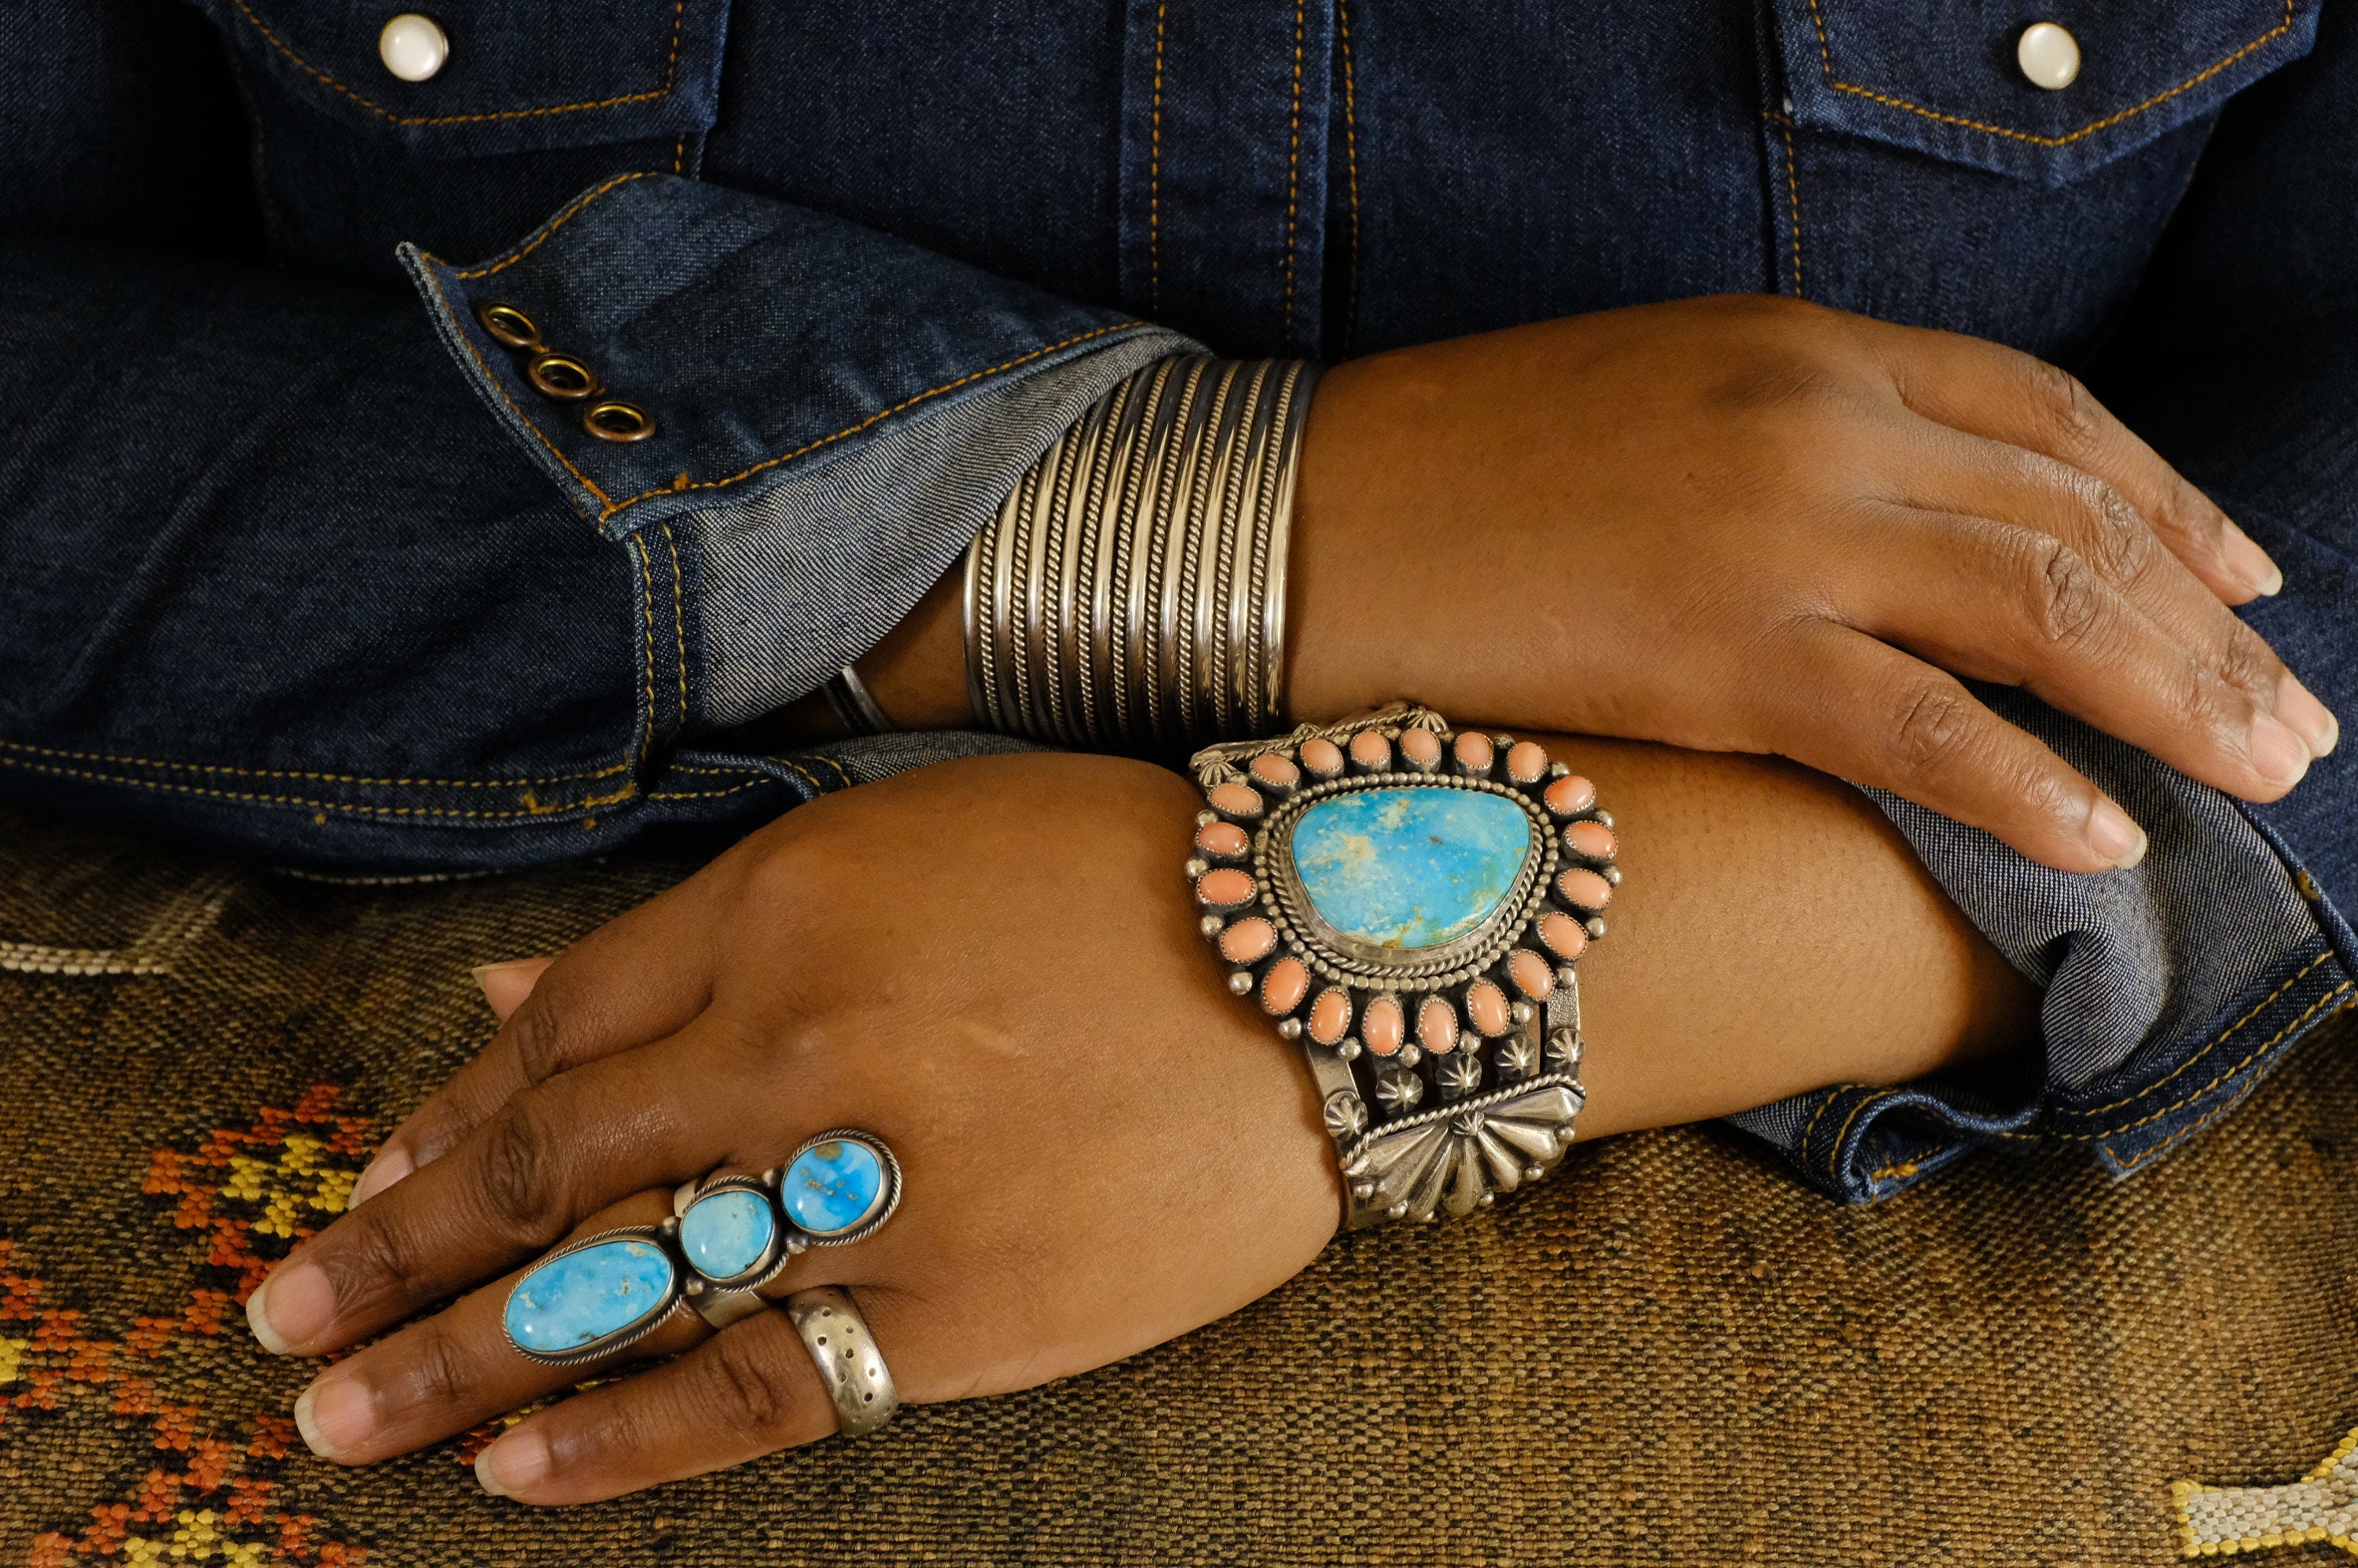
x=730, y=1235
x=845, y=1352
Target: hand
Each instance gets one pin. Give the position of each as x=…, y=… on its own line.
x=993, y=965
x=1754, y=525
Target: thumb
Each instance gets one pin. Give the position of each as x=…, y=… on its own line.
x=506, y=985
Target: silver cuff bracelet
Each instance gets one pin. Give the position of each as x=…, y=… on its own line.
x=1130, y=595
x=1407, y=905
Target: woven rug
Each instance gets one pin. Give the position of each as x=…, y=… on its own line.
x=1670, y=1353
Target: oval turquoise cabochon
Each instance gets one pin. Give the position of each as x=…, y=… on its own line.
x=833, y=1187
x=592, y=1295
x=1410, y=868
x=726, y=1233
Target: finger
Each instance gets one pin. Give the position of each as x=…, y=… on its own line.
x=506, y=985
x=1994, y=603
x=456, y=1369
x=749, y=1390
x=1990, y=390
x=1957, y=472
x=642, y=975
x=1867, y=712
x=551, y=1155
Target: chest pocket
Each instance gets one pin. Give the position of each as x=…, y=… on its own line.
x=1950, y=78
x=518, y=75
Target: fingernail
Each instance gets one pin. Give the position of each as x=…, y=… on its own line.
x=518, y=1460
x=389, y=1166
x=2311, y=720
x=2277, y=754
x=293, y=1306
x=2249, y=562
x=2115, y=834
x=336, y=1415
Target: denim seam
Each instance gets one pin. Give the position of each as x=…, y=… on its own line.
x=607, y=771
x=1293, y=167
x=494, y=383
x=1351, y=170
x=647, y=656
x=629, y=790
x=2336, y=994
x=1834, y=1155
x=540, y=236
x=671, y=70
x=675, y=488
x=1825, y=57
x=678, y=617
x=1784, y=125
x=2174, y=1139
x=1155, y=174
x=715, y=794
x=2218, y=1040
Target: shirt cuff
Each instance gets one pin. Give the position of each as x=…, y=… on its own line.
x=2171, y=988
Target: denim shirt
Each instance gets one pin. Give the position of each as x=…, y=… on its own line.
x=301, y=567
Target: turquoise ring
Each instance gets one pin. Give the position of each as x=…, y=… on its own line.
x=728, y=1237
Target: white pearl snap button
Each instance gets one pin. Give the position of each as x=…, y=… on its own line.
x=414, y=48
x=2048, y=56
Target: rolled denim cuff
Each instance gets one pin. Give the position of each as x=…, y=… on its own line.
x=2170, y=989
x=834, y=413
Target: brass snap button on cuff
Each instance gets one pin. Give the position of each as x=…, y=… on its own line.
x=508, y=325
x=612, y=421
x=561, y=376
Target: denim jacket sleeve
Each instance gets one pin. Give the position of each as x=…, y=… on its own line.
x=269, y=517
x=2172, y=988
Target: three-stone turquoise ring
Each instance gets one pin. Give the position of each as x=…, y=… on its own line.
x=1407, y=905
x=730, y=1235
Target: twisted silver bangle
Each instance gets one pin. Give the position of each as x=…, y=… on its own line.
x=1130, y=594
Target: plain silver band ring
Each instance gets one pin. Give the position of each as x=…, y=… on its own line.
x=846, y=1354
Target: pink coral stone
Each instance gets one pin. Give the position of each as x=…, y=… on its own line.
x=1322, y=757
x=1486, y=1008
x=1372, y=751
x=1224, y=840
x=1248, y=941
x=1570, y=796
x=1527, y=762
x=1225, y=889
x=1420, y=746
x=1437, y=1026
x=1474, y=752
x=1593, y=840
x=1283, y=986
x=1585, y=888
x=1562, y=936
x=1330, y=1015
x=1276, y=770
x=1383, y=1027
x=1533, y=974
x=1235, y=799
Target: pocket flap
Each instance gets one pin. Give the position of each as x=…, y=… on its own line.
x=1942, y=76
x=519, y=75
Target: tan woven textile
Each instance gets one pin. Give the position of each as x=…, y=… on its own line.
x=1671, y=1353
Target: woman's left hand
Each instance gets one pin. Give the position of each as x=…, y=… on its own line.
x=992, y=965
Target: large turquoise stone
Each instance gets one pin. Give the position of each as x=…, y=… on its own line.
x=1410, y=868
x=591, y=1294
x=726, y=1234
x=833, y=1187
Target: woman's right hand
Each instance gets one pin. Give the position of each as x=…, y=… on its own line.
x=1754, y=525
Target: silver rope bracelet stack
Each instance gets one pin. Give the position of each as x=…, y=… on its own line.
x=1130, y=595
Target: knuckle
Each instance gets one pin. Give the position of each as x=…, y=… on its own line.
x=2245, y=660
x=1932, y=728
x=2067, y=597
x=2119, y=545
x=439, y=1371
x=541, y=1030
x=2073, y=416
x=760, y=1393
x=370, y=1261
x=519, y=1149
